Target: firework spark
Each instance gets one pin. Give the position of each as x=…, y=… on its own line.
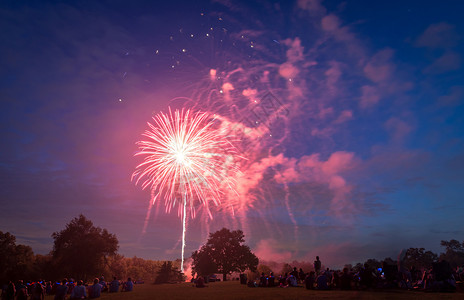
x=188, y=159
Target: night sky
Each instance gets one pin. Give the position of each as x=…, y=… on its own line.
x=361, y=155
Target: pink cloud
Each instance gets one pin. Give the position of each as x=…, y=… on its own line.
x=333, y=75
x=226, y=88
x=440, y=35
x=344, y=116
x=370, y=96
x=398, y=129
x=338, y=162
x=314, y=7
x=288, y=70
x=270, y=250
x=454, y=97
x=337, y=182
x=251, y=94
x=449, y=61
x=306, y=169
x=212, y=74
x=295, y=50
x=325, y=112
x=379, y=68
x=330, y=23
x=251, y=177
x=327, y=173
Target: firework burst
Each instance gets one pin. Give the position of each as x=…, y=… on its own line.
x=188, y=160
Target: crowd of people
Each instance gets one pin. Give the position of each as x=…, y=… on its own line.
x=66, y=289
x=440, y=277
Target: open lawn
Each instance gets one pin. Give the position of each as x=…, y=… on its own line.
x=233, y=290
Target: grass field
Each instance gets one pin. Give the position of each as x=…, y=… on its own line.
x=233, y=290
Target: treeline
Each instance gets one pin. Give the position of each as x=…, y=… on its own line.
x=151, y=271
x=81, y=251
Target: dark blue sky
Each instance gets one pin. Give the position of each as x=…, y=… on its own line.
x=366, y=158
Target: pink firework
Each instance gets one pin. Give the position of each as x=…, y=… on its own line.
x=188, y=159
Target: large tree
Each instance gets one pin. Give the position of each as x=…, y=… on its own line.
x=81, y=249
x=454, y=252
x=224, y=253
x=169, y=274
x=419, y=258
x=16, y=261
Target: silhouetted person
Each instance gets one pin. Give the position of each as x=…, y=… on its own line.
x=102, y=282
x=61, y=290
x=322, y=282
x=317, y=265
x=79, y=291
x=301, y=275
x=271, y=280
x=200, y=283
x=294, y=273
x=443, y=274
x=21, y=291
x=95, y=289
x=114, y=285
x=292, y=281
x=38, y=292
x=262, y=280
x=310, y=280
x=129, y=285
x=283, y=280
x=336, y=279
x=48, y=288
x=345, y=280
x=366, y=277
x=71, y=286
x=10, y=291
x=243, y=279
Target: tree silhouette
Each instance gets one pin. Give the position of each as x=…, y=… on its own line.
x=15, y=260
x=80, y=250
x=168, y=274
x=226, y=252
x=419, y=258
x=454, y=252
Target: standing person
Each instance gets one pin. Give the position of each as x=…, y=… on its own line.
x=71, y=285
x=38, y=292
x=10, y=291
x=21, y=291
x=345, y=280
x=301, y=275
x=79, y=291
x=48, y=288
x=317, y=265
x=61, y=290
x=271, y=280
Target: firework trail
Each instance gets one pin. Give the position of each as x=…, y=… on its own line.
x=188, y=160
